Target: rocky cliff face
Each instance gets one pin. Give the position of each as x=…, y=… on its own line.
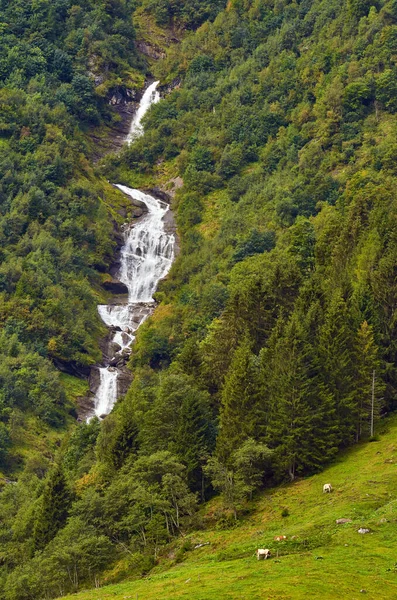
x=150, y=50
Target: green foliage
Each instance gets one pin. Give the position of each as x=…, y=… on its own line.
x=255, y=244
x=190, y=13
x=258, y=365
x=53, y=509
x=280, y=214
x=55, y=230
x=244, y=475
x=29, y=383
x=79, y=453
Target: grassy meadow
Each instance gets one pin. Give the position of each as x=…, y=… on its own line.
x=319, y=559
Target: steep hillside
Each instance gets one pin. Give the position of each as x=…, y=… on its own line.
x=59, y=61
x=272, y=350
x=319, y=559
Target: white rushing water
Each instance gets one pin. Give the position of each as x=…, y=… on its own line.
x=148, y=252
x=150, y=96
x=145, y=258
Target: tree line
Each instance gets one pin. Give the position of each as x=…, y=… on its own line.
x=258, y=365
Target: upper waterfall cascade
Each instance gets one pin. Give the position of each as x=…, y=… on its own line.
x=145, y=258
x=151, y=96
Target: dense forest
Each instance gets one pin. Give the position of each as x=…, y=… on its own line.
x=276, y=327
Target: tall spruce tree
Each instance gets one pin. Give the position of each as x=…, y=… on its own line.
x=290, y=418
x=302, y=424
x=194, y=437
x=366, y=368
x=335, y=351
x=54, y=509
x=239, y=402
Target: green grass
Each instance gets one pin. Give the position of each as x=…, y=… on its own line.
x=73, y=386
x=324, y=560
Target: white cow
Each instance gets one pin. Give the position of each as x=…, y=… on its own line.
x=262, y=553
x=327, y=488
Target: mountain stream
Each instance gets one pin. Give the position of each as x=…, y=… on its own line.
x=145, y=258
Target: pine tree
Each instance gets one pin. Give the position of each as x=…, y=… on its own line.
x=384, y=289
x=239, y=402
x=335, y=352
x=302, y=424
x=366, y=363
x=193, y=438
x=54, y=509
x=290, y=418
x=322, y=439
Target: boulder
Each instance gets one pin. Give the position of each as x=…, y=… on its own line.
x=115, y=286
x=94, y=379
x=124, y=381
x=114, y=348
x=114, y=328
x=126, y=338
x=342, y=521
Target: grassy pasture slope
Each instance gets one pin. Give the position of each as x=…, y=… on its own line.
x=324, y=561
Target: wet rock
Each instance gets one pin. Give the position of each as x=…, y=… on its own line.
x=136, y=319
x=138, y=212
x=114, y=329
x=126, y=337
x=85, y=407
x=94, y=380
x=124, y=381
x=114, y=348
x=115, y=286
x=159, y=193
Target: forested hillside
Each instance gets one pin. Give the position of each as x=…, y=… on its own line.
x=277, y=324
x=54, y=227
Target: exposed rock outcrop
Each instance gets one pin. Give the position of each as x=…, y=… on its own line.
x=115, y=286
x=150, y=50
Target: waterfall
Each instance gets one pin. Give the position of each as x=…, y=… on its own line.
x=145, y=258
x=150, y=96
x=149, y=250
x=107, y=391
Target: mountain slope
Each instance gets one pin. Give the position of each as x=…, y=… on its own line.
x=325, y=560
x=277, y=139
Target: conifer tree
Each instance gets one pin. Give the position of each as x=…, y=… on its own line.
x=239, y=401
x=302, y=424
x=384, y=289
x=193, y=437
x=290, y=418
x=335, y=351
x=366, y=364
x=322, y=439
x=54, y=509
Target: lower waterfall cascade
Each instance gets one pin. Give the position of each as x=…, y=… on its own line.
x=145, y=258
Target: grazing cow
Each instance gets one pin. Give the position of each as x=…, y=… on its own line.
x=262, y=553
x=280, y=538
x=327, y=488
